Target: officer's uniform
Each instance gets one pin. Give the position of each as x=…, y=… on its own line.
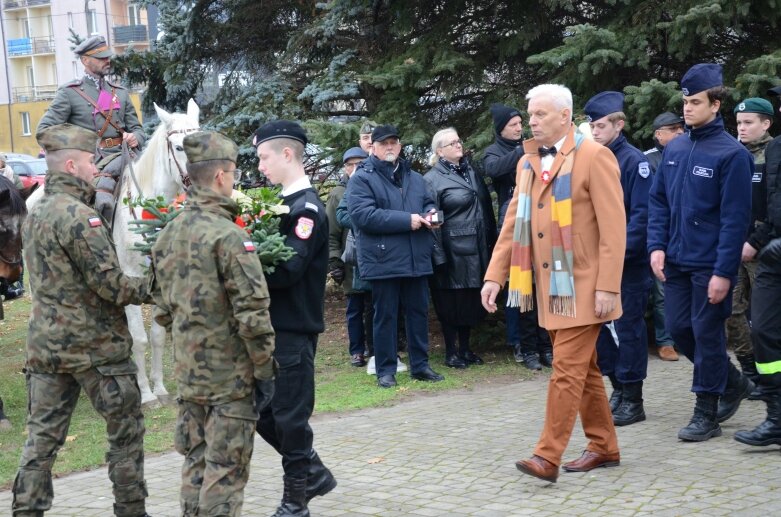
x=78, y=337
x=85, y=102
x=622, y=346
x=699, y=210
x=213, y=298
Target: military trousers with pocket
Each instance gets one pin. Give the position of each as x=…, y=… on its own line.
x=51, y=399
x=738, y=329
x=217, y=443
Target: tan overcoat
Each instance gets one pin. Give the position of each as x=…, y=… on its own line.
x=598, y=231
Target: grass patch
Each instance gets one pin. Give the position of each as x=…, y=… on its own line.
x=340, y=387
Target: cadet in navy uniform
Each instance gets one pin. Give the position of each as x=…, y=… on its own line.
x=297, y=291
x=622, y=347
x=699, y=210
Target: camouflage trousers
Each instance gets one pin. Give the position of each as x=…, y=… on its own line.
x=217, y=443
x=738, y=329
x=51, y=401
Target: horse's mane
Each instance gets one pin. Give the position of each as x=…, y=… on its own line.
x=146, y=167
x=17, y=206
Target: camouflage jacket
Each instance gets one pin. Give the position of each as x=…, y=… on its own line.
x=212, y=295
x=77, y=320
x=69, y=106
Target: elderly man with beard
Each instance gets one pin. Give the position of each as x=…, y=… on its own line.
x=389, y=205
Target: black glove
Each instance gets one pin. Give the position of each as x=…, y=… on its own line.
x=264, y=392
x=771, y=254
x=337, y=273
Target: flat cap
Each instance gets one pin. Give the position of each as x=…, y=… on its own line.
x=701, y=77
x=354, y=152
x=367, y=128
x=95, y=46
x=667, y=119
x=67, y=136
x=209, y=145
x=755, y=105
x=279, y=129
x=603, y=104
x=776, y=90
x=381, y=133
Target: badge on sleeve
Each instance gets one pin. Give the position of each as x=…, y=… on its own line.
x=249, y=246
x=644, y=170
x=304, y=228
x=94, y=222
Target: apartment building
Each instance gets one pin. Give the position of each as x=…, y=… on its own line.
x=37, y=55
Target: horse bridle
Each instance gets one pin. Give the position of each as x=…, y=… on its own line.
x=182, y=175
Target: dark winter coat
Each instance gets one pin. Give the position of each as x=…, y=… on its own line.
x=499, y=164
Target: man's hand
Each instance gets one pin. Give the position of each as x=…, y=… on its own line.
x=604, y=303
x=657, y=264
x=264, y=392
x=718, y=287
x=337, y=273
x=131, y=139
x=488, y=294
x=749, y=252
x=417, y=221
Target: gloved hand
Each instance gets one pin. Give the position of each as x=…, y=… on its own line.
x=771, y=254
x=264, y=392
x=337, y=273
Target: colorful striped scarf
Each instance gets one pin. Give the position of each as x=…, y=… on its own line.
x=562, y=282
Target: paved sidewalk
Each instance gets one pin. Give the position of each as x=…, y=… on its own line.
x=453, y=455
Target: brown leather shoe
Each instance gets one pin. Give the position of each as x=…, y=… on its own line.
x=667, y=353
x=591, y=460
x=539, y=468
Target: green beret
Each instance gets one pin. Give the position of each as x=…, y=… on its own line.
x=209, y=145
x=67, y=136
x=755, y=105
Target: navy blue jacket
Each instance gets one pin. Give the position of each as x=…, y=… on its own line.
x=700, y=201
x=636, y=182
x=381, y=212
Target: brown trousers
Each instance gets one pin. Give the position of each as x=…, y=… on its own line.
x=576, y=387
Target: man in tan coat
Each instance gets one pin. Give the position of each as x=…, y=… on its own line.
x=570, y=231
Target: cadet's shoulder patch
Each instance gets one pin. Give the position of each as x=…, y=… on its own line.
x=644, y=169
x=304, y=228
x=311, y=206
x=249, y=246
x=94, y=222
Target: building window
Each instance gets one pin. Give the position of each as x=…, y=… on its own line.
x=30, y=76
x=54, y=73
x=25, y=27
x=26, y=123
x=70, y=20
x=134, y=14
x=92, y=21
x=75, y=70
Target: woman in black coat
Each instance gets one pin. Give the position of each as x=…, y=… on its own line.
x=463, y=245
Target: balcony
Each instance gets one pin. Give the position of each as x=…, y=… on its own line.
x=19, y=4
x=30, y=46
x=34, y=93
x=125, y=34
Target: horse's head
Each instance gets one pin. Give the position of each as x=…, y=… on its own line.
x=176, y=126
x=12, y=214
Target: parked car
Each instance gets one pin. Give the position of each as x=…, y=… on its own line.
x=18, y=156
x=32, y=170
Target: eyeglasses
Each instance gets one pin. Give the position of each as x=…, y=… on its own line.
x=671, y=129
x=454, y=142
x=236, y=175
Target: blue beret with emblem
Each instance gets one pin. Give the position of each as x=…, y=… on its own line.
x=603, y=104
x=701, y=77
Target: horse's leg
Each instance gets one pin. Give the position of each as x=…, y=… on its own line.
x=135, y=323
x=157, y=339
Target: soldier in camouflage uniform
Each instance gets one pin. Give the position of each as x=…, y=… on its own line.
x=213, y=297
x=95, y=103
x=78, y=336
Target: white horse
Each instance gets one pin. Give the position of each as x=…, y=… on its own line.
x=159, y=171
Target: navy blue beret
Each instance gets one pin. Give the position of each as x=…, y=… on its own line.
x=701, y=77
x=603, y=104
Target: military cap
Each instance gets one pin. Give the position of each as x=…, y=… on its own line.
x=776, y=90
x=95, y=46
x=367, y=127
x=755, y=105
x=209, y=145
x=381, y=133
x=701, y=77
x=67, y=136
x=603, y=104
x=354, y=152
x=279, y=129
x=667, y=119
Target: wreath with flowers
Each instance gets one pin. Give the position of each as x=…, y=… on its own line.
x=259, y=217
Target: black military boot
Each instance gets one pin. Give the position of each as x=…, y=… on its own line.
x=319, y=480
x=631, y=408
x=532, y=361
x=738, y=388
x=452, y=359
x=615, y=397
x=769, y=431
x=748, y=366
x=293, y=499
x=703, y=424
